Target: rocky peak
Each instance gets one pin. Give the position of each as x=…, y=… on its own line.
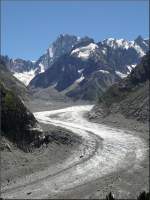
x=17, y=65
x=139, y=39
x=83, y=42
x=117, y=43
x=142, y=43
x=63, y=45
x=139, y=47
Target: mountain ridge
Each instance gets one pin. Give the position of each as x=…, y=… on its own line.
x=86, y=59
x=70, y=62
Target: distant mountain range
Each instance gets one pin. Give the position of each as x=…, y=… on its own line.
x=79, y=67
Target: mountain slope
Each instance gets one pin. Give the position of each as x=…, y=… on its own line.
x=17, y=123
x=93, y=86
x=24, y=70
x=12, y=83
x=61, y=74
x=89, y=68
x=61, y=46
x=71, y=63
x=129, y=97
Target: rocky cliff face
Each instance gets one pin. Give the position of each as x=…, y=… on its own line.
x=61, y=46
x=129, y=97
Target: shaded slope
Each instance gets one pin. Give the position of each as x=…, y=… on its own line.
x=93, y=86
x=61, y=74
x=130, y=96
x=17, y=123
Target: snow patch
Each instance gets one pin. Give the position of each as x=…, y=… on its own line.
x=139, y=50
x=51, y=52
x=104, y=71
x=116, y=43
x=41, y=68
x=130, y=67
x=145, y=43
x=80, y=71
x=25, y=77
x=84, y=52
x=80, y=79
x=121, y=75
x=122, y=43
x=104, y=51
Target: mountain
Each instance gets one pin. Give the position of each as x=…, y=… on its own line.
x=61, y=74
x=11, y=82
x=62, y=45
x=93, y=86
x=17, y=123
x=26, y=70
x=90, y=68
x=129, y=97
x=71, y=63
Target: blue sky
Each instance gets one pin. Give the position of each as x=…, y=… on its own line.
x=28, y=27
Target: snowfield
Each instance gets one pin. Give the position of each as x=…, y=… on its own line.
x=85, y=51
x=122, y=43
x=25, y=77
x=113, y=150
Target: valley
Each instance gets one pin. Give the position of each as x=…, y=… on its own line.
x=98, y=164
x=77, y=126
x=74, y=100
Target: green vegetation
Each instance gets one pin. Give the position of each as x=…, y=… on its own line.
x=9, y=101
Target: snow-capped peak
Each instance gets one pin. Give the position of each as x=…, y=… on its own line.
x=85, y=51
x=115, y=43
x=122, y=43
